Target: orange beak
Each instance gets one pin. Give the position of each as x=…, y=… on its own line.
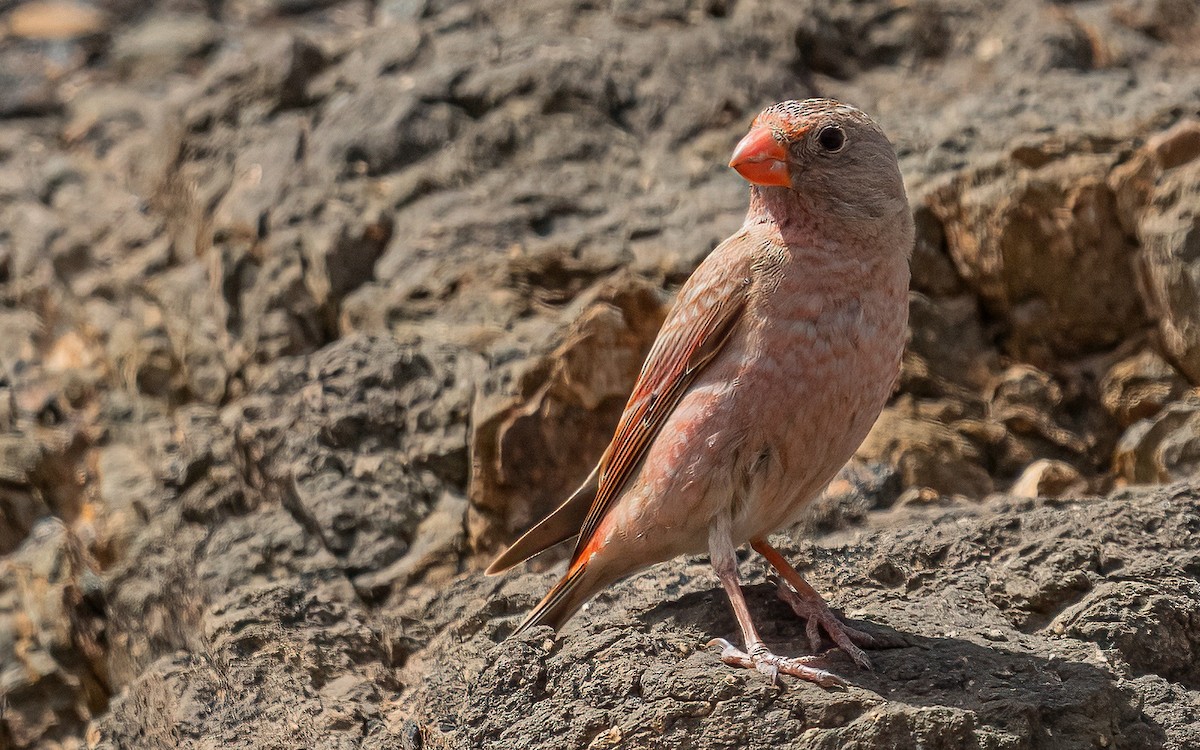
x=762, y=159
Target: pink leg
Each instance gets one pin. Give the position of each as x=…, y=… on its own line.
x=809, y=605
x=756, y=655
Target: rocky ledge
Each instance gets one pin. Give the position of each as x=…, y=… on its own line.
x=310, y=306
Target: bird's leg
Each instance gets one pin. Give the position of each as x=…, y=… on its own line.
x=809, y=605
x=756, y=655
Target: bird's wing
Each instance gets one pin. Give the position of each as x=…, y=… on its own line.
x=705, y=313
x=562, y=524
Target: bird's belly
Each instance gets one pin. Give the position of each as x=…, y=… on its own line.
x=758, y=435
x=818, y=400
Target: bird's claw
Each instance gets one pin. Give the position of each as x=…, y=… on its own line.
x=818, y=616
x=761, y=659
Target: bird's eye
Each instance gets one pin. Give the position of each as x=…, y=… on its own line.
x=831, y=138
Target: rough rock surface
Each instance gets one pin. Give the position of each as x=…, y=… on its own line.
x=1024, y=624
x=309, y=306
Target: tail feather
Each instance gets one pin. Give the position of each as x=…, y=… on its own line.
x=563, y=600
x=555, y=528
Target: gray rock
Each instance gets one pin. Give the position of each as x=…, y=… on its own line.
x=288, y=292
x=164, y=43
x=358, y=443
x=970, y=596
x=27, y=87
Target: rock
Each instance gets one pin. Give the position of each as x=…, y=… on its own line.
x=1162, y=449
x=20, y=506
x=1052, y=38
x=129, y=493
x=400, y=129
x=286, y=284
x=439, y=540
x=344, y=258
x=55, y=19
x=1048, y=478
x=933, y=273
x=1170, y=236
x=188, y=349
x=926, y=453
x=52, y=639
x=401, y=10
x=337, y=670
x=27, y=86
x=1022, y=234
x=839, y=42
x=1150, y=625
x=860, y=487
x=359, y=443
x=660, y=687
x=1161, y=19
x=266, y=167
x=275, y=70
x=1140, y=386
x=946, y=354
x=43, y=472
x=536, y=441
x=261, y=10
x=163, y=43
x=1030, y=403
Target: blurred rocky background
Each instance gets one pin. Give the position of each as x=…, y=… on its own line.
x=309, y=306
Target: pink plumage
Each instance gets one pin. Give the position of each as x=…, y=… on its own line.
x=776, y=359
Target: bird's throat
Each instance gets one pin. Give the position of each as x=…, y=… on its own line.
x=779, y=206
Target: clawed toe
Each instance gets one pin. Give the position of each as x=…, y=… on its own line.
x=819, y=617
x=771, y=665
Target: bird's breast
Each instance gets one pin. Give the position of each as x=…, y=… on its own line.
x=815, y=370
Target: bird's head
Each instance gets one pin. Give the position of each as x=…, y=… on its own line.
x=831, y=155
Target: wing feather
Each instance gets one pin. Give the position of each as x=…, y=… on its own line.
x=706, y=312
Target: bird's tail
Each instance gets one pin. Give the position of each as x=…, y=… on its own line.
x=563, y=600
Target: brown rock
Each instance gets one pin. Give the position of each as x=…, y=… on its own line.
x=54, y=677
x=926, y=453
x=1028, y=402
x=55, y=19
x=933, y=272
x=531, y=448
x=20, y=505
x=1163, y=449
x=1039, y=241
x=946, y=354
x=1048, y=478
x=1176, y=146
x=1169, y=232
x=43, y=472
x=1161, y=19
x=1140, y=386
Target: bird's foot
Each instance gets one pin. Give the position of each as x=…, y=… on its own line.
x=819, y=616
x=762, y=659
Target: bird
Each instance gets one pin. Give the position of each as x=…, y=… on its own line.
x=773, y=363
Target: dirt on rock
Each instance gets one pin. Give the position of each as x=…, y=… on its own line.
x=308, y=307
